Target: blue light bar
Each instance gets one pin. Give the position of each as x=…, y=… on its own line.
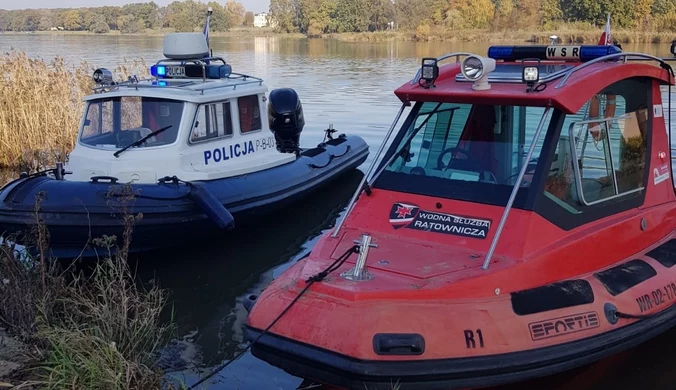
x=554, y=52
x=190, y=71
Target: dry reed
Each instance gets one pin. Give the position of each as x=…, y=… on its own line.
x=101, y=330
x=41, y=107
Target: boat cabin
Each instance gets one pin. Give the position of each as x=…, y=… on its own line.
x=194, y=118
x=571, y=133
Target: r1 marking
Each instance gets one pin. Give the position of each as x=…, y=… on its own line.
x=470, y=342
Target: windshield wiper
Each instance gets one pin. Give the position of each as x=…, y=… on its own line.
x=141, y=140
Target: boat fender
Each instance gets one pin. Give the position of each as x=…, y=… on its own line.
x=211, y=206
x=249, y=302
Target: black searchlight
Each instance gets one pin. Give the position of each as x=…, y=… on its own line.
x=103, y=76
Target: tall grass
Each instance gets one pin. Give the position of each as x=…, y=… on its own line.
x=41, y=106
x=96, y=329
x=28, y=286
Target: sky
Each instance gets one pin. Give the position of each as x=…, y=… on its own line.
x=250, y=5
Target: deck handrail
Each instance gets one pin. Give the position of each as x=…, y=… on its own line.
x=136, y=85
x=439, y=59
x=624, y=56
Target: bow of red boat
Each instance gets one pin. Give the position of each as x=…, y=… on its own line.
x=521, y=223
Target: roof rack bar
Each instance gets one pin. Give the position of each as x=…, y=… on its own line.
x=457, y=56
x=241, y=80
x=519, y=179
x=624, y=56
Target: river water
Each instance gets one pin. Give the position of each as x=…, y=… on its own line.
x=349, y=85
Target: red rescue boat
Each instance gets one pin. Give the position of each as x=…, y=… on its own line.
x=522, y=222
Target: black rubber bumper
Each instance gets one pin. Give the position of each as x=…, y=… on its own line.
x=308, y=362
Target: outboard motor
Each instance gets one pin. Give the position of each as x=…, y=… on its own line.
x=285, y=116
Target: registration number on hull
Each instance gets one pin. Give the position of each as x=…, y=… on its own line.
x=657, y=297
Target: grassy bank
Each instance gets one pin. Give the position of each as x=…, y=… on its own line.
x=232, y=33
x=89, y=329
x=582, y=34
x=568, y=33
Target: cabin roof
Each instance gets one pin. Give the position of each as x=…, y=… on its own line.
x=580, y=86
x=188, y=90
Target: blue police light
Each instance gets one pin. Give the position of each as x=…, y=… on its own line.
x=592, y=52
x=218, y=71
x=554, y=52
x=158, y=70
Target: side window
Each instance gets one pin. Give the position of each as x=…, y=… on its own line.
x=99, y=119
x=212, y=121
x=249, y=114
x=602, y=148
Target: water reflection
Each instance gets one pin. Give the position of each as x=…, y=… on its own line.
x=208, y=283
x=349, y=85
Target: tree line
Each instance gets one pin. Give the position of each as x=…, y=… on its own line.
x=315, y=17
x=183, y=16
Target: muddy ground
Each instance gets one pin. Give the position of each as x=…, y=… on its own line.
x=13, y=356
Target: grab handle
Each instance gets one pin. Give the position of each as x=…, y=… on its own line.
x=398, y=344
x=96, y=179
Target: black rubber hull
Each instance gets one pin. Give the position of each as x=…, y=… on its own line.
x=75, y=213
x=333, y=369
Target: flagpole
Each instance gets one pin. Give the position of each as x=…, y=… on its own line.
x=206, y=29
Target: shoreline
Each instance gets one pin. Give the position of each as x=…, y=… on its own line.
x=566, y=35
x=234, y=33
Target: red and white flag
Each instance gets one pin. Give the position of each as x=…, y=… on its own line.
x=605, y=37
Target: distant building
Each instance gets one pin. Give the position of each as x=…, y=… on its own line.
x=261, y=20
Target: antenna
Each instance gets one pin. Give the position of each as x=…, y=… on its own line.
x=553, y=39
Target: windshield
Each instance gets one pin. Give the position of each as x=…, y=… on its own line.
x=464, y=151
x=120, y=121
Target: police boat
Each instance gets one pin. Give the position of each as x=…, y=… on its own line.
x=187, y=149
x=522, y=222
